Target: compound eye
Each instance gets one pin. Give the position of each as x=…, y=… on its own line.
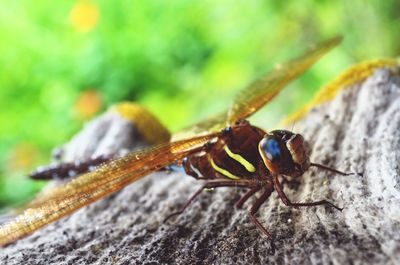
x=272, y=149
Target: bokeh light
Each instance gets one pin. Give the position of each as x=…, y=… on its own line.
x=84, y=16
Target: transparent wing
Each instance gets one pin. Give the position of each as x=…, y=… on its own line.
x=108, y=178
x=262, y=90
x=211, y=125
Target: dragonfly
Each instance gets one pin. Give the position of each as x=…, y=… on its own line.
x=225, y=151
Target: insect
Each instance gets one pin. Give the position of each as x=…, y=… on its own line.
x=230, y=152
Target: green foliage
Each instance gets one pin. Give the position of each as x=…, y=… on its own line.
x=182, y=59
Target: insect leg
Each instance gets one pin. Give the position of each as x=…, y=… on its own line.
x=334, y=170
x=254, y=209
x=246, y=196
x=287, y=202
x=214, y=184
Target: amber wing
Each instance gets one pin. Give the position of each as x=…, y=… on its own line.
x=211, y=125
x=262, y=90
x=92, y=186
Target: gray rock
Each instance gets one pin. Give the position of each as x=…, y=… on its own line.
x=106, y=135
x=358, y=131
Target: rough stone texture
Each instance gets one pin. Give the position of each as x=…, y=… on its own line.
x=106, y=135
x=357, y=131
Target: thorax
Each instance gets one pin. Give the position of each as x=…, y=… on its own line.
x=235, y=154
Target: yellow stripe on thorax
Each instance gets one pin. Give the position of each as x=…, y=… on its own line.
x=222, y=171
x=247, y=165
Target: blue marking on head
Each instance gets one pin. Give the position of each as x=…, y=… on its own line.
x=272, y=149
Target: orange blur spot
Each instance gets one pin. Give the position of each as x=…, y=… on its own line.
x=84, y=16
x=23, y=156
x=88, y=104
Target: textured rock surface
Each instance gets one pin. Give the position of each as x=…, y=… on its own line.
x=358, y=131
x=98, y=138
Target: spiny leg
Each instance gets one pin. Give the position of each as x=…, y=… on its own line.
x=214, y=184
x=334, y=170
x=254, y=209
x=246, y=196
x=287, y=202
x=286, y=180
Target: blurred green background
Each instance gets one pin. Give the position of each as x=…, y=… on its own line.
x=61, y=62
